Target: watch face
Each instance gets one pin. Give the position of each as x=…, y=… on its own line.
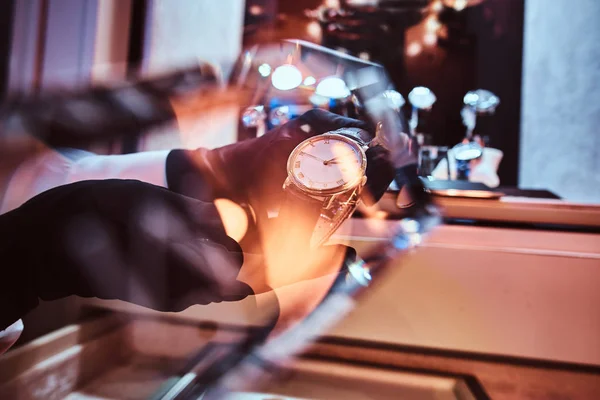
x=327, y=163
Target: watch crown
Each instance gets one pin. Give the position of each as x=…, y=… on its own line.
x=286, y=183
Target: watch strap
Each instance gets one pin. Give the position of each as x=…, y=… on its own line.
x=359, y=135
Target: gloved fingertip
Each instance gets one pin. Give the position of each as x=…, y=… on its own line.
x=323, y=121
x=380, y=173
x=238, y=291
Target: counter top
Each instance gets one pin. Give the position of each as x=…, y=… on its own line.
x=510, y=210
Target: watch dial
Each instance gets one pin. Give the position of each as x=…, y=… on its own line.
x=326, y=163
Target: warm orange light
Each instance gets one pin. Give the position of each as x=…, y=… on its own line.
x=460, y=5
x=234, y=218
x=314, y=31
x=430, y=39
x=414, y=49
x=256, y=10
x=437, y=6
x=432, y=24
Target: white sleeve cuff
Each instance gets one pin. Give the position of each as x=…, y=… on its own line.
x=51, y=169
x=146, y=167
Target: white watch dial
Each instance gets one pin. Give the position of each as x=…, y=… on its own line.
x=327, y=162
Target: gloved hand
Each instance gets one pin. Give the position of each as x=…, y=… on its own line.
x=253, y=171
x=116, y=239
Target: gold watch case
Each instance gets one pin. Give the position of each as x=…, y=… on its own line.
x=358, y=181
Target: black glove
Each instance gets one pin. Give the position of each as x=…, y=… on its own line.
x=253, y=171
x=116, y=239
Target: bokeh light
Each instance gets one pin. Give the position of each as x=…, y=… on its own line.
x=414, y=49
x=430, y=39
x=286, y=77
x=309, y=81
x=264, y=70
x=333, y=87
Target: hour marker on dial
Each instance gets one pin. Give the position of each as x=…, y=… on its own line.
x=326, y=163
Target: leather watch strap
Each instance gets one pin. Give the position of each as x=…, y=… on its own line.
x=361, y=136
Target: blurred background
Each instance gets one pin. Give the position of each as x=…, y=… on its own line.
x=540, y=59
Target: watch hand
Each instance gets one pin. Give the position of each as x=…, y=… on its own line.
x=315, y=157
x=335, y=160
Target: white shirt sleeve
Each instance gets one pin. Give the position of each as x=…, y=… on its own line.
x=52, y=168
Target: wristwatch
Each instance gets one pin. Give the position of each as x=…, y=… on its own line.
x=326, y=176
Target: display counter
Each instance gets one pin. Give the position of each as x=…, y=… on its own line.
x=132, y=357
x=483, y=309
x=74, y=363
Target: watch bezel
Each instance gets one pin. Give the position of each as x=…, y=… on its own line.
x=335, y=190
